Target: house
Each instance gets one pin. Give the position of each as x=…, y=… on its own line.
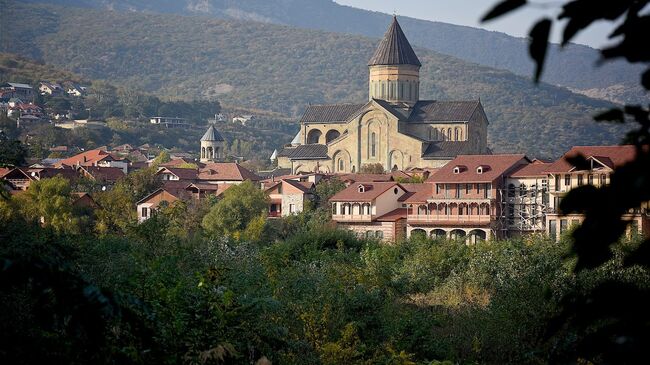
x=50, y=172
x=201, y=191
x=371, y=209
x=289, y=197
x=17, y=178
x=170, y=122
x=148, y=205
x=96, y=157
x=50, y=88
x=18, y=90
x=564, y=175
x=462, y=201
x=177, y=174
x=76, y=90
x=243, y=119
x=226, y=173
x=103, y=175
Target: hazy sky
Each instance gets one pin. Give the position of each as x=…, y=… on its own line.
x=468, y=12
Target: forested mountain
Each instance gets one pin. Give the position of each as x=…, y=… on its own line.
x=573, y=67
x=282, y=69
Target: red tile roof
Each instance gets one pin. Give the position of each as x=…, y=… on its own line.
x=87, y=158
x=612, y=156
x=4, y=171
x=533, y=169
x=493, y=167
x=366, y=177
x=229, y=171
x=392, y=216
x=182, y=174
x=417, y=192
x=304, y=186
x=108, y=174
x=372, y=191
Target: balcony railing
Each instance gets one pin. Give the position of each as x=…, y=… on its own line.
x=352, y=217
x=274, y=214
x=449, y=219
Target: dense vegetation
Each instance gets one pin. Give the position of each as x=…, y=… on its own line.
x=574, y=66
x=299, y=293
x=283, y=69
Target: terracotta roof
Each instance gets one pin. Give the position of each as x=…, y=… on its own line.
x=87, y=158
x=212, y=135
x=417, y=192
x=304, y=186
x=183, y=174
x=535, y=168
x=366, y=177
x=226, y=171
x=108, y=174
x=156, y=192
x=394, y=49
x=49, y=172
x=216, y=189
x=372, y=191
x=305, y=152
x=612, y=156
x=493, y=167
x=448, y=111
x=4, y=171
x=330, y=113
x=392, y=216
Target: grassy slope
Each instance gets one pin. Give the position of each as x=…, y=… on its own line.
x=282, y=69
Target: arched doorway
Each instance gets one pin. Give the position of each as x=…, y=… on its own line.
x=438, y=234
x=418, y=233
x=457, y=234
x=477, y=235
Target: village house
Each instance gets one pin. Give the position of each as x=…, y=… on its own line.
x=50, y=88
x=170, y=122
x=525, y=199
x=18, y=90
x=243, y=119
x=96, y=157
x=289, y=197
x=463, y=199
x=105, y=176
x=148, y=205
x=564, y=175
x=371, y=209
x=20, y=178
x=75, y=89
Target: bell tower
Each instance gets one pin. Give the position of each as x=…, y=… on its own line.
x=394, y=69
x=212, y=145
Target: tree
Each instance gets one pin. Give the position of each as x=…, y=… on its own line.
x=610, y=318
x=12, y=152
x=326, y=189
x=50, y=202
x=240, y=206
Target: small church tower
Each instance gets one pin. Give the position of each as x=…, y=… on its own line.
x=395, y=69
x=212, y=145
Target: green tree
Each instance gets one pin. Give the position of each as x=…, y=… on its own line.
x=326, y=189
x=240, y=206
x=372, y=168
x=12, y=152
x=49, y=202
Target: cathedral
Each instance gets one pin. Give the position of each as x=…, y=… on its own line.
x=393, y=128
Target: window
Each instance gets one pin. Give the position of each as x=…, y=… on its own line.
x=581, y=180
x=396, y=190
x=369, y=234
x=457, y=193
x=437, y=189
x=488, y=191
x=563, y=225
x=144, y=212
x=292, y=208
x=468, y=188
x=603, y=179
x=590, y=179
x=334, y=208
x=340, y=164
x=567, y=180
x=379, y=234
x=373, y=144
x=478, y=188
x=557, y=182
x=435, y=134
x=457, y=134
x=449, y=134
x=552, y=229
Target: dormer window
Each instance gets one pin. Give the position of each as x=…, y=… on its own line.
x=362, y=189
x=459, y=168
x=482, y=168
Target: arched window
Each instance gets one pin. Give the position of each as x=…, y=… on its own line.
x=202, y=152
x=435, y=135
x=331, y=135
x=341, y=165
x=313, y=136
x=373, y=144
x=457, y=134
x=449, y=134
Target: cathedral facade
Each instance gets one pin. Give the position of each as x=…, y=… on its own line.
x=394, y=128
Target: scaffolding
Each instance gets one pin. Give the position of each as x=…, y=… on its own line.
x=522, y=208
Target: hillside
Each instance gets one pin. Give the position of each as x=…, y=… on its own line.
x=573, y=67
x=283, y=69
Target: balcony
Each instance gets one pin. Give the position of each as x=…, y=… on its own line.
x=274, y=214
x=450, y=219
x=352, y=217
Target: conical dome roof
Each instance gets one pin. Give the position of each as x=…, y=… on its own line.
x=212, y=135
x=394, y=49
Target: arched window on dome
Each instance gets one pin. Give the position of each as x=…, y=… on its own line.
x=457, y=134
x=449, y=134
